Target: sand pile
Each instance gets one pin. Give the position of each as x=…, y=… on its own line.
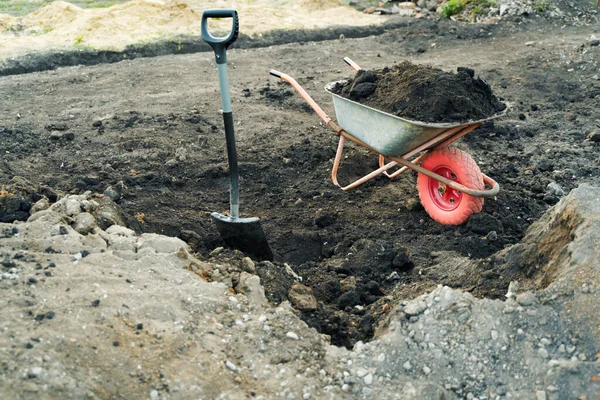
x=61, y=25
x=7, y=22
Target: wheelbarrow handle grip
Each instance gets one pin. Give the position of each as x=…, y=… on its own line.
x=276, y=74
x=220, y=44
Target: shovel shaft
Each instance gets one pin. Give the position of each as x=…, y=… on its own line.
x=234, y=183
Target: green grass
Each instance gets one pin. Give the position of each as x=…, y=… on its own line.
x=541, y=6
x=453, y=7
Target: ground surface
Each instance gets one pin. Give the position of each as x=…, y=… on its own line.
x=154, y=124
x=60, y=25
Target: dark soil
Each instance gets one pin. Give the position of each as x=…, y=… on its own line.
x=423, y=93
x=154, y=125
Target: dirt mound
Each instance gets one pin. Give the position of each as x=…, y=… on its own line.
x=64, y=25
x=423, y=93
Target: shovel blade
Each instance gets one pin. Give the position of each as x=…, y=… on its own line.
x=244, y=234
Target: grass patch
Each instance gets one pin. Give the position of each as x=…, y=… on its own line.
x=541, y=6
x=453, y=7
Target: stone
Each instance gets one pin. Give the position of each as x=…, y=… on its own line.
x=250, y=286
x=368, y=379
x=540, y=395
x=555, y=189
x=526, y=299
x=248, y=265
x=292, y=335
x=84, y=223
x=72, y=207
x=594, y=136
x=40, y=205
x=231, y=366
x=160, y=243
x=415, y=307
x=119, y=230
x=347, y=284
x=302, y=298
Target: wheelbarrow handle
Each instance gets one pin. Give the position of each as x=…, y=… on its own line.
x=220, y=44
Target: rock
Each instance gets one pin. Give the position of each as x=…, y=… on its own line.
x=368, y=379
x=526, y=299
x=181, y=154
x=415, y=307
x=108, y=213
x=119, y=230
x=172, y=163
x=84, y=223
x=347, y=284
x=40, y=205
x=248, y=265
x=555, y=189
x=115, y=193
x=542, y=352
x=540, y=395
x=57, y=126
x=292, y=335
x=231, y=366
x=72, y=207
x=250, y=286
x=160, y=243
x=594, y=136
x=302, y=297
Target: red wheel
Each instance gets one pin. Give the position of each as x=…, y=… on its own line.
x=444, y=204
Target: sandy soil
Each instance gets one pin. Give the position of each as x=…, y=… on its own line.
x=62, y=25
x=154, y=124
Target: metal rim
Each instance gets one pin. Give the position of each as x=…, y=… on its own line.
x=445, y=197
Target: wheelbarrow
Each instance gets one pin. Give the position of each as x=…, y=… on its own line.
x=450, y=184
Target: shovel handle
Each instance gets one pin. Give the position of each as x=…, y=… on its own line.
x=220, y=44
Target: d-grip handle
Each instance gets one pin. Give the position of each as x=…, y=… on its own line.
x=220, y=44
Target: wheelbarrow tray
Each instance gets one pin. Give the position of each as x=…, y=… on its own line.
x=387, y=134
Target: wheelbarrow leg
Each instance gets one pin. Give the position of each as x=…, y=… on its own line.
x=336, y=164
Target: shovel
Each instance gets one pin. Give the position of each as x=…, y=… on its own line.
x=244, y=234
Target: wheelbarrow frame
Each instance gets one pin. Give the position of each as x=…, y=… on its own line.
x=442, y=139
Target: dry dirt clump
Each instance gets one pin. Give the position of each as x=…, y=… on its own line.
x=423, y=93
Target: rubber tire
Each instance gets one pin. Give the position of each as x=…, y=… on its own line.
x=467, y=173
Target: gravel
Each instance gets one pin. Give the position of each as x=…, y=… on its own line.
x=538, y=343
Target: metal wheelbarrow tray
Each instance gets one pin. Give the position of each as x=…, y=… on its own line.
x=451, y=189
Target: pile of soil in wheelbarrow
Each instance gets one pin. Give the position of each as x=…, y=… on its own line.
x=423, y=93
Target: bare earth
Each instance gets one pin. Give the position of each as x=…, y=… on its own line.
x=154, y=125
x=62, y=25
